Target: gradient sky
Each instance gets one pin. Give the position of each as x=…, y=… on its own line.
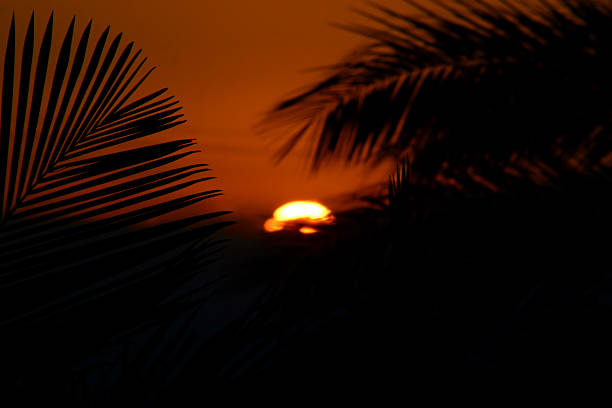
x=228, y=62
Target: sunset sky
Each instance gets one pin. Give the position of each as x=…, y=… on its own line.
x=228, y=63
x=123, y=272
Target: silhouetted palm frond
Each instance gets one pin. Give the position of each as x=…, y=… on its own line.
x=75, y=190
x=508, y=89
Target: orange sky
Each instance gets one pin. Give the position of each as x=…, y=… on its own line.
x=228, y=62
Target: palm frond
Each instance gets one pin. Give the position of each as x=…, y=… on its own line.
x=75, y=191
x=491, y=87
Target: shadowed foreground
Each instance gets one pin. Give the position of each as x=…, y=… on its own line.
x=466, y=290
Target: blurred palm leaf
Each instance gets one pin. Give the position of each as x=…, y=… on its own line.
x=75, y=259
x=508, y=90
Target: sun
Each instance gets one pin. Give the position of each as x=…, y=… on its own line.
x=296, y=210
x=299, y=212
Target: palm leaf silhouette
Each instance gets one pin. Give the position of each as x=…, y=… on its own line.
x=510, y=91
x=75, y=261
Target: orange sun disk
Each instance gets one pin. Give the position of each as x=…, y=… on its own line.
x=310, y=212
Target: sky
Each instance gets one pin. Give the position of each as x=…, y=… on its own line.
x=228, y=62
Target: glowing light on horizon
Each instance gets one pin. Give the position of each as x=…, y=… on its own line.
x=308, y=230
x=309, y=212
x=296, y=210
x=272, y=225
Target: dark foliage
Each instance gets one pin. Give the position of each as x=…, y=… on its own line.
x=501, y=92
x=487, y=263
x=439, y=289
x=78, y=264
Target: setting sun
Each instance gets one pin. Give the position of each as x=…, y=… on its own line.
x=309, y=212
x=301, y=209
